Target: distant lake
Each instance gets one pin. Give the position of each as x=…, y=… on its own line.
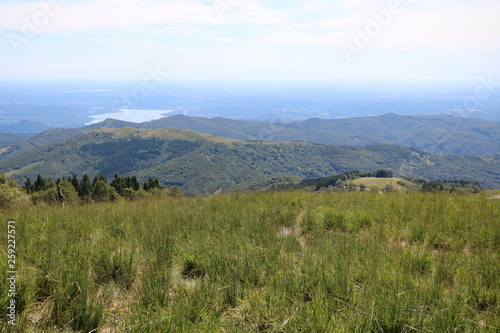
x=131, y=115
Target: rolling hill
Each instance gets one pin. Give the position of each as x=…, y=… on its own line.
x=436, y=135
x=10, y=138
x=203, y=163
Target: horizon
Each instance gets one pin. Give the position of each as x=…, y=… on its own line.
x=66, y=63
x=277, y=121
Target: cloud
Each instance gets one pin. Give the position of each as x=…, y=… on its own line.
x=108, y=14
x=461, y=27
x=259, y=35
x=441, y=24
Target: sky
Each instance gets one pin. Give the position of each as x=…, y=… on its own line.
x=290, y=40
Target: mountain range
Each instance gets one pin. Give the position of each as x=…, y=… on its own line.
x=203, y=163
x=436, y=135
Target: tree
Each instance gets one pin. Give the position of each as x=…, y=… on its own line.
x=76, y=184
x=52, y=194
x=152, y=184
x=29, y=187
x=97, y=178
x=100, y=191
x=384, y=174
x=134, y=183
x=103, y=192
x=118, y=183
x=85, y=189
x=40, y=184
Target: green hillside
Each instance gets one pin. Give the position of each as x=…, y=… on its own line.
x=259, y=262
x=163, y=133
x=27, y=142
x=7, y=139
x=437, y=135
x=203, y=163
x=39, y=140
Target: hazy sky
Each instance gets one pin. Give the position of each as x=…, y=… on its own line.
x=407, y=40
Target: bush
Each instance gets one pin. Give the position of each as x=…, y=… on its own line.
x=51, y=195
x=175, y=192
x=9, y=194
x=103, y=192
x=389, y=188
x=129, y=193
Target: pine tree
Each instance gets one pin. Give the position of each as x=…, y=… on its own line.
x=97, y=178
x=118, y=183
x=40, y=184
x=29, y=187
x=85, y=188
x=76, y=183
x=135, y=183
x=146, y=187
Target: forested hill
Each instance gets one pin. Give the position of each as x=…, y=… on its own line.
x=436, y=135
x=204, y=163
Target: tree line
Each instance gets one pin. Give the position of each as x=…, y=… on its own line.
x=84, y=189
x=452, y=186
x=342, y=182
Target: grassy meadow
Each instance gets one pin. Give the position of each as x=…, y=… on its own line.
x=382, y=183
x=258, y=262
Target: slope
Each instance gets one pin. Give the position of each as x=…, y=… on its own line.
x=437, y=135
x=204, y=163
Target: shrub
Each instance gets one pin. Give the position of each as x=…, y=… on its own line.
x=8, y=194
x=103, y=192
x=51, y=195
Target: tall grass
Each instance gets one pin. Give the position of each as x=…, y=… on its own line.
x=266, y=262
